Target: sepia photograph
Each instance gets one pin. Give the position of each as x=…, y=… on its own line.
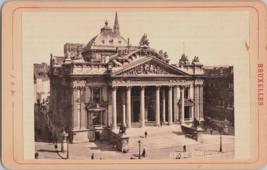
x=135, y=85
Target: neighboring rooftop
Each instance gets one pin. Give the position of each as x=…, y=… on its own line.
x=218, y=71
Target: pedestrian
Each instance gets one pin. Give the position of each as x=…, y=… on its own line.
x=36, y=155
x=92, y=156
x=55, y=137
x=161, y=123
x=144, y=152
x=211, y=131
x=145, y=134
x=178, y=156
x=184, y=148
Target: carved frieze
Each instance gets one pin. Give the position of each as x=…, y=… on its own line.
x=149, y=68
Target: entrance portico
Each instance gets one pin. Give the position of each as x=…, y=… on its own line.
x=147, y=103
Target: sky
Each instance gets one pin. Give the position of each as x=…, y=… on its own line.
x=217, y=38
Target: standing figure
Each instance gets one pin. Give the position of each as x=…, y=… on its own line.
x=92, y=156
x=144, y=152
x=36, y=155
x=211, y=131
x=184, y=148
x=161, y=123
x=145, y=134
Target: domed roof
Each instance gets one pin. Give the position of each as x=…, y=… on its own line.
x=108, y=38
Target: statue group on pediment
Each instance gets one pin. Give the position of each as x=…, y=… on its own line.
x=163, y=55
x=195, y=59
x=147, y=69
x=184, y=60
x=144, y=41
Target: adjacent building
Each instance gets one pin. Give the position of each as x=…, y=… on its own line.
x=41, y=82
x=219, y=93
x=109, y=82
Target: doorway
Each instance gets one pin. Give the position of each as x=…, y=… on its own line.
x=97, y=136
x=186, y=112
x=136, y=111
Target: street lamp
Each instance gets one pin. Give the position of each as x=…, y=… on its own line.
x=64, y=137
x=139, y=148
x=221, y=131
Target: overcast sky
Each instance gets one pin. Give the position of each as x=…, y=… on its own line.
x=218, y=38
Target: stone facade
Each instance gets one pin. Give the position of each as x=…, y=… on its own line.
x=219, y=93
x=109, y=82
x=41, y=82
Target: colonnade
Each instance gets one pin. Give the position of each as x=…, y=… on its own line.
x=179, y=95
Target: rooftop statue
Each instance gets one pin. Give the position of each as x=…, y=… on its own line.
x=161, y=53
x=166, y=55
x=184, y=60
x=195, y=59
x=68, y=55
x=78, y=57
x=144, y=41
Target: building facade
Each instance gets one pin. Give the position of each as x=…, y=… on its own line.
x=219, y=93
x=41, y=82
x=108, y=82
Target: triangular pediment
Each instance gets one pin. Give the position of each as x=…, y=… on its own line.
x=149, y=66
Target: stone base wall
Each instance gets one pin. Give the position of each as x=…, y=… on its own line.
x=88, y=135
x=121, y=142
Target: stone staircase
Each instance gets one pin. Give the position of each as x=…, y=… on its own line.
x=157, y=138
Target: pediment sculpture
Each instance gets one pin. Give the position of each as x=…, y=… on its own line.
x=148, y=68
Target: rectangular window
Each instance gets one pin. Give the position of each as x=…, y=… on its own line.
x=96, y=94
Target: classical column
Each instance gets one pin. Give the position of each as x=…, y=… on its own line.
x=175, y=104
x=201, y=102
x=196, y=98
x=129, y=106
x=170, y=106
x=182, y=104
x=123, y=106
x=163, y=105
x=90, y=120
x=157, y=116
x=114, y=107
x=191, y=96
x=101, y=118
x=142, y=106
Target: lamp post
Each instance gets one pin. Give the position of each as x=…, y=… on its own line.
x=139, y=148
x=221, y=130
x=65, y=139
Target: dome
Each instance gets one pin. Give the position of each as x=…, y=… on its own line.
x=107, y=37
x=111, y=39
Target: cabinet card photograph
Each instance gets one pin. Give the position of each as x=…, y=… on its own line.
x=135, y=84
